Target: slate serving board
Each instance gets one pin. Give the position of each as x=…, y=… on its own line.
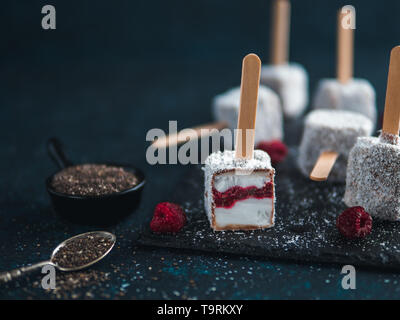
x=304, y=229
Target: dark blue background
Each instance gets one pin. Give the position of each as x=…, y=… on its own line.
x=113, y=70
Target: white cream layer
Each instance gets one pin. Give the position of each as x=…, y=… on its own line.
x=223, y=182
x=246, y=212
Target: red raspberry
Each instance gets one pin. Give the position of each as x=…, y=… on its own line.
x=168, y=217
x=276, y=149
x=354, y=222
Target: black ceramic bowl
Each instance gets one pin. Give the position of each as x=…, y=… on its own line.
x=93, y=210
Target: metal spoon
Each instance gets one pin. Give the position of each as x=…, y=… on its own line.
x=10, y=275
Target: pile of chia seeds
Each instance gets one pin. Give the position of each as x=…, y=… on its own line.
x=93, y=180
x=82, y=250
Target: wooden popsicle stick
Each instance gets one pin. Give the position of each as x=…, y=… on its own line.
x=323, y=166
x=280, y=30
x=345, y=48
x=391, y=115
x=184, y=135
x=251, y=69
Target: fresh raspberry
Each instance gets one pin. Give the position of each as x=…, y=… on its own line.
x=354, y=222
x=276, y=149
x=168, y=218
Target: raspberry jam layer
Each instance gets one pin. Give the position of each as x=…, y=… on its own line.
x=228, y=198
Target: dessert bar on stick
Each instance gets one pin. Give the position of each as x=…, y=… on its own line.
x=289, y=80
x=327, y=140
x=373, y=173
x=239, y=185
x=269, y=122
x=346, y=92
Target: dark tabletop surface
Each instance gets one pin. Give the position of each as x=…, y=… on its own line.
x=113, y=70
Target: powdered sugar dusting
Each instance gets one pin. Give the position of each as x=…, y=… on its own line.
x=220, y=161
x=305, y=225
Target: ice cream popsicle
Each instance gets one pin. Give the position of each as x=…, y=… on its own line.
x=239, y=185
x=373, y=173
x=327, y=140
x=289, y=80
x=346, y=92
x=269, y=122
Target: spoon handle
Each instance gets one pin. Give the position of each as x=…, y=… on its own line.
x=56, y=152
x=16, y=273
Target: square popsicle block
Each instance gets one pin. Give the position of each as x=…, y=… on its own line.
x=373, y=177
x=290, y=82
x=269, y=123
x=239, y=194
x=356, y=95
x=331, y=130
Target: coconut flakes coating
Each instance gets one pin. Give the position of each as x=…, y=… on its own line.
x=269, y=120
x=331, y=130
x=221, y=161
x=373, y=177
x=357, y=95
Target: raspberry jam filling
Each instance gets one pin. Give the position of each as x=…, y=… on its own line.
x=228, y=198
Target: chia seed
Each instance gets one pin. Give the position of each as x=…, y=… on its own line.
x=82, y=250
x=93, y=180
